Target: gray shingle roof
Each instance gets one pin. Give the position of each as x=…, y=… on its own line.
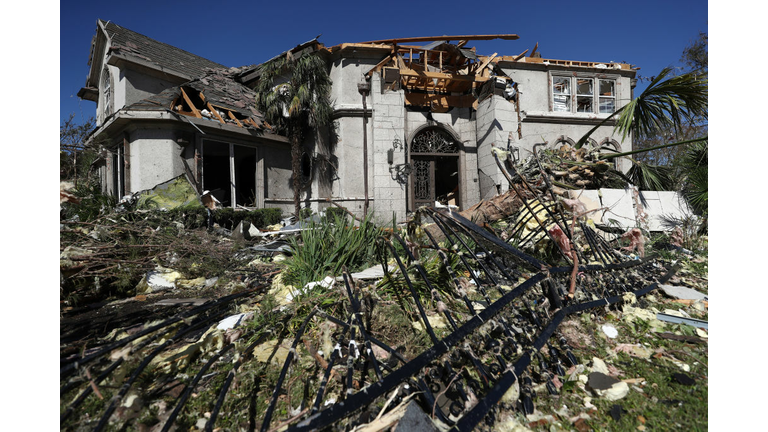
x=129, y=43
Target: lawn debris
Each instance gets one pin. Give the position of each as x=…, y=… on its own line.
x=464, y=325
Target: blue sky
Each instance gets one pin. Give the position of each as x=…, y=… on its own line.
x=242, y=33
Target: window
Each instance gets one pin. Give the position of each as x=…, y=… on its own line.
x=607, y=96
x=107, y=93
x=584, y=99
x=561, y=94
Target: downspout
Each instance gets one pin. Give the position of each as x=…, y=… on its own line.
x=364, y=87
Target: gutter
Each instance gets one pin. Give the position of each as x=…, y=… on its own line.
x=123, y=117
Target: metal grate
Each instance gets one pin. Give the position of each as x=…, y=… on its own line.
x=434, y=141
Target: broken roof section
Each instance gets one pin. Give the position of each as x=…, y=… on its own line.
x=441, y=75
x=250, y=74
x=215, y=96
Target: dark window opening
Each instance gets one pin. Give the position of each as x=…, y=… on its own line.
x=245, y=176
x=216, y=171
x=447, y=180
x=306, y=168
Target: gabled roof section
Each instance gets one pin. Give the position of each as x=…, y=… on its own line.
x=215, y=96
x=130, y=44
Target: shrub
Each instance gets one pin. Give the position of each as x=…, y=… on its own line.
x=325, y=247
x=260, y=218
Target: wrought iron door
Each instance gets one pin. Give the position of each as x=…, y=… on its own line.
x=423, y=182
x=428, y=149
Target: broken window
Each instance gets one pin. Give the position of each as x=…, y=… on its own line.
x=607, y=96
x=229, y=173
x=584, y=95
x=107, y=93
x=561, y=91
x=587, y=100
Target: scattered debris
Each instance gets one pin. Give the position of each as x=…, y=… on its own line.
x=457, y=328
x=610, y=331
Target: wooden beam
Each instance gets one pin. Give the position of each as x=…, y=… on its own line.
x=380, y=64
x=232, y=116
x=191, y=105
x=446, y=38
x=484, y=64
x=519, y=56
x=440, y=75
x=213, y=110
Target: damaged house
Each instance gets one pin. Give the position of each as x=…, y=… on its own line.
x=415, y=120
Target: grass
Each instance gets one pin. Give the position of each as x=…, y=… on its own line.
x=659, y=402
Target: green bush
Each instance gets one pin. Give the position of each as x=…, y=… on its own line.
x=305, y=213
x=332, y=213
x=93, y=203
x=260, y=218
x=325, y=247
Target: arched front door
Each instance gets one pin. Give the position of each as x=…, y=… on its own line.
x=434, y=155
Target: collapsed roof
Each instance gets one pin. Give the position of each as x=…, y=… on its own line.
x=215, y=96
x=438, y=75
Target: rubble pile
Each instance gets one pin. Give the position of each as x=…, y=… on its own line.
x=530, y=318
x=566, y=167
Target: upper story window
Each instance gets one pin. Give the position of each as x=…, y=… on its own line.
x=107, y=80
x=575, y=94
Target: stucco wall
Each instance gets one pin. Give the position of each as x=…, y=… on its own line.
x=540, y=124
x=137, y=85
x=349, y=189
x=388, y=134
x=154, y=157
x=278, y=182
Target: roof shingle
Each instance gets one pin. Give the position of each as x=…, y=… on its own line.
x=129, y=43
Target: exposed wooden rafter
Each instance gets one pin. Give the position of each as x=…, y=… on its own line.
x=192, y=107
x=223, y=115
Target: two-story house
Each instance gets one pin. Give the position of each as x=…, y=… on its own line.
x=414, y=122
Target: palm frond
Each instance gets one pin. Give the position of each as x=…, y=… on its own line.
x=666, y=102
x=650, y=177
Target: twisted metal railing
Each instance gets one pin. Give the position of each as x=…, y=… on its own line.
x=493, y=339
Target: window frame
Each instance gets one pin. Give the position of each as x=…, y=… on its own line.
x=106, y=80
x=576, y=92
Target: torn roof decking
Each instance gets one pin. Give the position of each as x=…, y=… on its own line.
x=215, y=95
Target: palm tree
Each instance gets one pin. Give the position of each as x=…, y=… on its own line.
x=667, y=103
x=293, y=94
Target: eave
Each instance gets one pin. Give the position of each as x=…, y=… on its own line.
x=89, y=93
x=123, y=119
